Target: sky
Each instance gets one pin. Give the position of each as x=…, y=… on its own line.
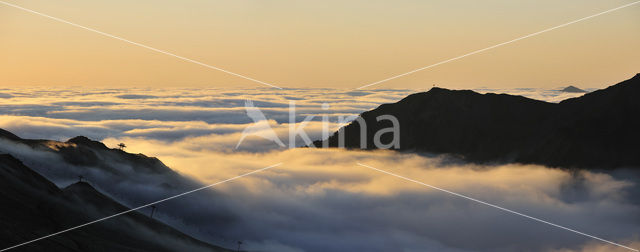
x=300, y=44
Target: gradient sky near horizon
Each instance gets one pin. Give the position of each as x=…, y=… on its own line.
x=343, y=44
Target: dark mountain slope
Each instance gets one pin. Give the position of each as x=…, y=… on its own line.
x=598, y=129
x=8, y=135
x=129, y=179
x=63, y=162
x=33, y=207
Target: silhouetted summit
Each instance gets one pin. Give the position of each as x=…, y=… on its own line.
x=572, y=89
x=82, y=140
x=598, y=129
x=81, y=150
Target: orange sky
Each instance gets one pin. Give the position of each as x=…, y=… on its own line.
x=343, y=44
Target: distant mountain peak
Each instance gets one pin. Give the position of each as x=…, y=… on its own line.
x=573, y=89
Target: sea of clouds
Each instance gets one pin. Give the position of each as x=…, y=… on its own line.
x=321, y=200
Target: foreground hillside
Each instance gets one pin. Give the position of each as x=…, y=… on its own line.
x=120, y=179
x=33, y=207
x=597, y=130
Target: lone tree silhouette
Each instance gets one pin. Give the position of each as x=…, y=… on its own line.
x=239, y=243
x=121, y=146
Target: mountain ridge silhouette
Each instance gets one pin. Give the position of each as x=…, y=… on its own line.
x=596, y=130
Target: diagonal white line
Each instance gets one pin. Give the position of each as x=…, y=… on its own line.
x=498, y=45
x=495, y=206
x=140, y=207
x=140, y=45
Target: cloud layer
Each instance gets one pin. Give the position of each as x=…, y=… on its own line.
x=321, y=200
x=174, y=114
